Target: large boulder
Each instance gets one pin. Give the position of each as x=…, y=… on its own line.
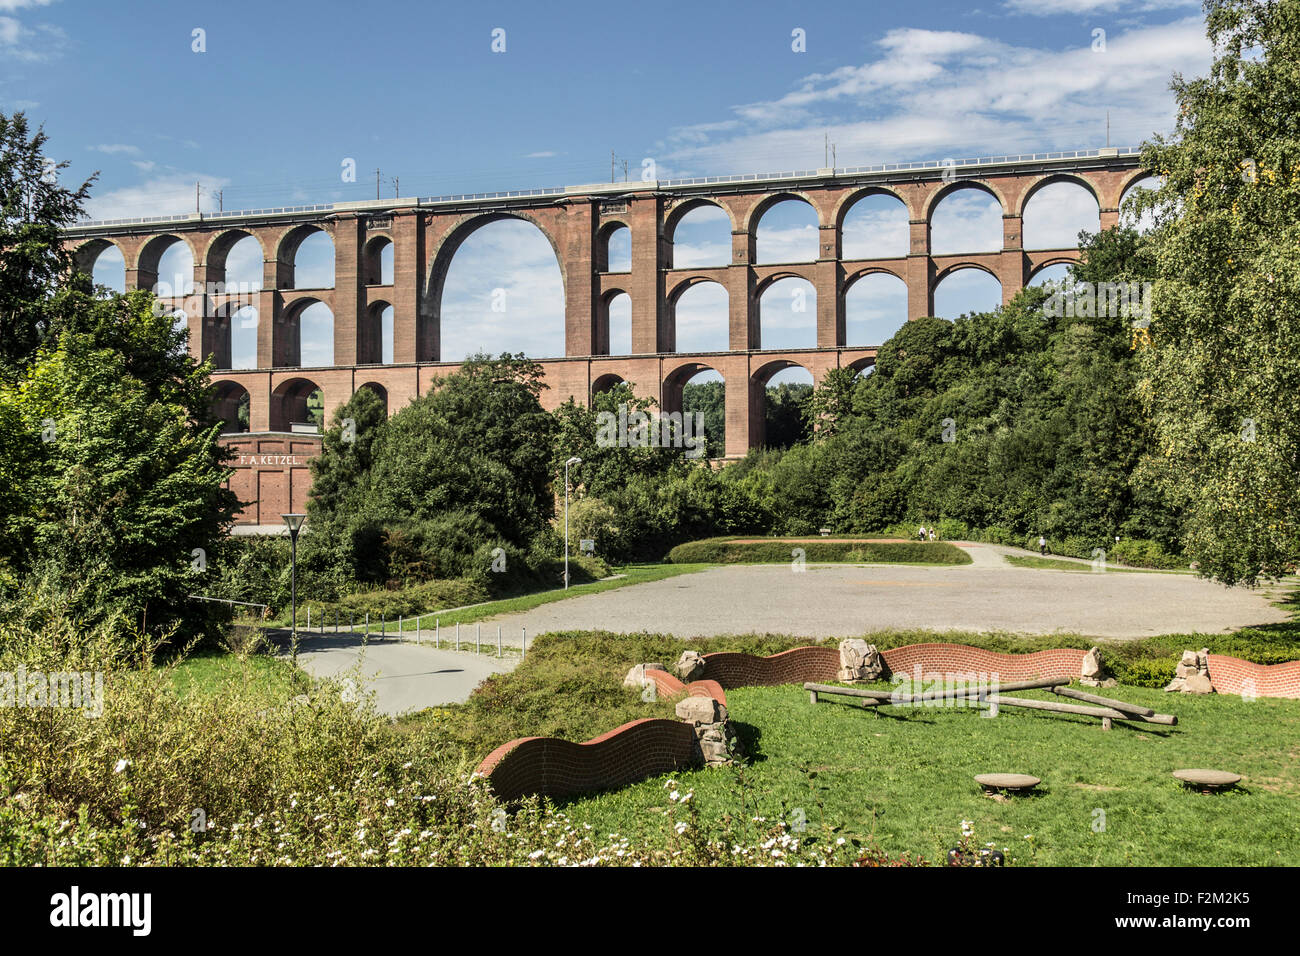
x=690, y=666
x=636, y=676
x=701, y=710
x=859, y=661
x=1094, y=672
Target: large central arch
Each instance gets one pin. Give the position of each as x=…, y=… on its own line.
x=429, y=327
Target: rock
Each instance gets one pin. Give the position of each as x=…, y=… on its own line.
x=1198, y=684
x=1093, y=672
x=690, y=666
x=859, y=661
x=701, y=710
x=1007, y=781
x=1189, y=658
x=636, y=676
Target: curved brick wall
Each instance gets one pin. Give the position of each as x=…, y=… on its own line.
x=1229, y=675
x=959, y=658
x=560, y=768
x=795, y=666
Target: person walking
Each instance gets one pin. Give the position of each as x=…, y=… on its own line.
x=1042, y=545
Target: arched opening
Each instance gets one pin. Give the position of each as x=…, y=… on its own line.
x=864, y=367
x=875, y=227
x=787, y=231
x=781, y=389
x=967, y=219
x=1057, y=213
x=700, y=319
x=231, y=406
x=965, y=291
x=306, y=259
x=614, y=336
x=242, y=328
x=499, y=288
x=104, y=263
x=1128, y=216
x=235, y=259
x=306, y=335
x=181, y=325
x=603, y=383
x=380, y=391
x=699, y=391
x=787, y=315
x=875, y=307
x=1058, y=273
x=377, y=264
x=298, y=405
x=614, y=250
x=375, y=335
x=166, y=267
x=698, y=237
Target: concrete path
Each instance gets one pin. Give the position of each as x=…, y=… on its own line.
x=833, y=600
x=402, y=676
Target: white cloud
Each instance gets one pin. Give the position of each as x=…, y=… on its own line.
x=169, y=194
x=113, y=148
x=29, y=45
x=11, y=5
x=542, y=154
x=1048, y=8
x=933, y=94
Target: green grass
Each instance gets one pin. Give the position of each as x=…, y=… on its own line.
x=903, y=779
x=208, y=672
x=1057, y=564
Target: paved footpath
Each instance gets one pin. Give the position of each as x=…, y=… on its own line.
x=835, y=600
x=403, y=676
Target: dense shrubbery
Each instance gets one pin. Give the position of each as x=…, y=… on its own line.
x=725, y=551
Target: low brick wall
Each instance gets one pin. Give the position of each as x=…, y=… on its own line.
x=1229, y=675
x=644, y=748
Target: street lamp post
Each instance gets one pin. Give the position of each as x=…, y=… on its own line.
x=294, y=522
x=575, y=460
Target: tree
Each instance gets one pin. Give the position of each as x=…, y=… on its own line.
x=831, y=403
x=1221, y=356
x=120, y=472
x=34, y=210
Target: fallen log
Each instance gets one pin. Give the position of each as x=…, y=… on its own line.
x=890, y=697
x=1144, y=712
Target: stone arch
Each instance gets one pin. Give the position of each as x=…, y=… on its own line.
x=759, y=381
x=872, y=322
x=855, y=200
x=864, y=363
x=1136, y=182
x=960, y=241
x=377, y=261
x=941, y=308
x=1056, y=211
x=672, y=401
x=429, y=328
x=604, y=237
x=947, y=189
x=218, y=255
x=292, y=404
x=605, y=338
x=765, y=206
x=603, y=383
x=150, y=255
x=232, y=405
x=696, y=338
x=373, y=340
x=379, y=390
x=286, y=253
x=288, y=334
x=1049, y=263
x=674, y=219
x=1051, y=179
x=87, y=256
x=802, y=302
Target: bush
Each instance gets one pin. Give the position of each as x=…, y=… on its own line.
x=1142, y=553
x=727, y=551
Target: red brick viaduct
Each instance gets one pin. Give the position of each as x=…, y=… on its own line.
x=578, y=221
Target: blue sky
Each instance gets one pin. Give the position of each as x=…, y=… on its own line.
x=285, y=91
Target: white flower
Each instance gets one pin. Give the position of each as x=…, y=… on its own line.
x=121, y=765
x=681, y=827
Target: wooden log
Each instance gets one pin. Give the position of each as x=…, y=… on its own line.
x=886, y=696
x=1057, y=707
x=1104, y=701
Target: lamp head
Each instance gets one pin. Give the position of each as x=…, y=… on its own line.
x=294, y=521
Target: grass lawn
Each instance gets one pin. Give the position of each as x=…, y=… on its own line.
x=1056, y=564
x=904, y=780
x=208, y=672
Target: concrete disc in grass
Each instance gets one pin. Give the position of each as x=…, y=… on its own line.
x=1007, y=781
x=1208, y=779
